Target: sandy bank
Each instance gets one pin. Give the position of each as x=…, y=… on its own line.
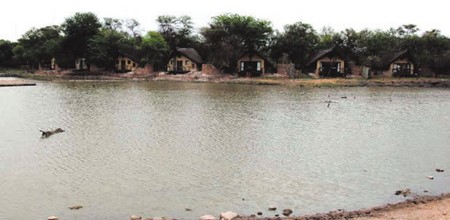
x=420, y=207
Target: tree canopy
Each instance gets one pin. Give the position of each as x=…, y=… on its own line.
x=230, y=35
x=6, y=53
x=155, y=49
x=296, y=41
x=177, y=31
x=38, y=45
x=221, y=42
x=78, y=31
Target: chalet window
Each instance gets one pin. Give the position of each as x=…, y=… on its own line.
x=186, y=62
x=242, y=66
x=129, y=61
x=327, y=68
x=193, y=65
x=171, y=62
x=402, y=68
x=134, y=64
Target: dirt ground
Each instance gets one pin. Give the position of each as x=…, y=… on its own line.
x=419, y=207
x=437, y=209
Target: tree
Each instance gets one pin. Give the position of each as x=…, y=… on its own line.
x=407, y=30
x=132, y=27
x=376, y=43
x=229, y=35
x=177, y=31
x=327, y=38
x=38, y=46
x=78, y=31
x=353, y=44
x=154, y=49
x=6, y=53
x=105, y=47
x=298, y=40
x=112, y=24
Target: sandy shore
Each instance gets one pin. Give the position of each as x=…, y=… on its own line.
x=15, y=82
x=420, y=207
x=436, y=209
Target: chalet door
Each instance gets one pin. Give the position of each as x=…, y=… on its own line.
x=179, y=65
x=329, y=68
x=250, y=66
x=122, y=65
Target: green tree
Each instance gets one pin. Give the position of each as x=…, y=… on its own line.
x=38, y=46
x=298, y=40
x=177, y=31
x=105, y=47
x=407, y=30
x=328, y=37
x=154, y=49
x=229, y=35
x=376, y=44
x=78, y=31
x=6, y=53
x=353, y=44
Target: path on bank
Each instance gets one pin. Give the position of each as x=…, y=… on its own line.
x=15, y=82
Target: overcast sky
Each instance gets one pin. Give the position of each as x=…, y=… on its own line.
x=18, y=16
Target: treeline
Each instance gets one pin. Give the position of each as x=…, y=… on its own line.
x=220, y=43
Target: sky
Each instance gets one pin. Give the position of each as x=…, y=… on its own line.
x=19, y=16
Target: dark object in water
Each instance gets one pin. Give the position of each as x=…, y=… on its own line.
x=439, y=170
x=403, y=192
x=76, y=207
x=46, y=134
x=329, y=102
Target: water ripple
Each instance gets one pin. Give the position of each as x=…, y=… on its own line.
x=157, y=148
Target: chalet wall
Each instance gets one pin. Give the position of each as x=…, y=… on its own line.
x=80, y=64
x=130, y=65
x=254, y=58
x=188, y=64
x=329, y=59
x=389, y=72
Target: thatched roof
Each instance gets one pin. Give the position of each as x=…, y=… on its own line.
x=131, y=54
x=190, y=53
x=266, y=60
x=323, y=53
x=388, y=57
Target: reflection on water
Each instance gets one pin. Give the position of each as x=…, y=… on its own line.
x=154, y=149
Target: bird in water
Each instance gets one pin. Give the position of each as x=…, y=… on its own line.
x=329, y=102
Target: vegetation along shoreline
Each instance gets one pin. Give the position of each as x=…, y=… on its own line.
x=231, y=45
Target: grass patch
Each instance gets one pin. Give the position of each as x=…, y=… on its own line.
x=12, y=72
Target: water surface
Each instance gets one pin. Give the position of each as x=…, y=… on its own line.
x=154, y=149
